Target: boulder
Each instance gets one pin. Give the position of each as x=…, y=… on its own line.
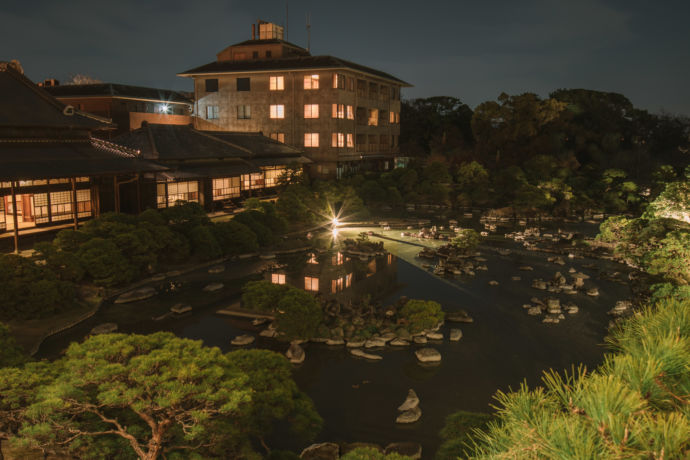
x=539, y=284
x=409, y=416
x=428, y=355
x=241, y=340
x=295, y=354
x=354, y=343
x=593, y=292
x=217, y=269
x=419, y=339
x=375, y=342
x=398, y=342
x=268, y=332
x=136, y=295
x=572, y=309
x=322, y=451
x=434, y=336
x=358, y=352
x=455, y=335
x=559, y=261
x=410, y=402
x=534, y=311
x=105, y=328
x=407, y=449
x=388, y=336
x=335, y=342
x=213, y=287
x=553, y=306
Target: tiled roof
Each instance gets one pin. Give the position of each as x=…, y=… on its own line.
x=288, y=63
x=118, y=90
x=256, y=144
x=24, y=105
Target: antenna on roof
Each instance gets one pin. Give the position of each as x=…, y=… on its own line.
x=308, y=33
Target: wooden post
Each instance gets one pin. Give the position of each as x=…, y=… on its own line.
x=75, y=213
x=14, y=218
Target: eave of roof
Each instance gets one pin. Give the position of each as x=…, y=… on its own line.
x=119, y=91
x=289, y=63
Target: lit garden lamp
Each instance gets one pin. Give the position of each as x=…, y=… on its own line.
x=334, y=227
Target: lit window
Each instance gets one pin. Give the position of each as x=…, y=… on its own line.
x=350, y=113
x=244, y=112
x=311, y=110
x=277, y=111
x=373, y=117
x=348, y=280
x=311, y=284
x=276, y=83
x=350, y=142
x=337, y=259
x=390, y=259
x=392, y=117
x=312, y=259
x=338, y=111
x=311, y=82
x=338, y=81
x=168, y=194
x=311, y=139
x=278, y=278
x=226, y=187
x=337, y=285
x=212, y=112
x=338, y=140
x=280, y=137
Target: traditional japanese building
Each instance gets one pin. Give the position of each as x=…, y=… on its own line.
x=53, y=170
x=344, y=115
x=127, y=106
x=210, y=168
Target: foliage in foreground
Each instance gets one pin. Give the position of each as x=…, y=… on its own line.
x=635, y=405
x=138, y=396
x=370, y=453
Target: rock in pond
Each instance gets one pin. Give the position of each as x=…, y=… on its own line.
x=322, y=451
x=434, y=336
x=136, y=295
x=525, y=268
x=428, y=355
x=420, y=339
x=407, y=449
x=458, y=317
x=410, y=402
x=593, y=292
x=539, y=284
x=295, y=353
x=217, y=269
x=409, y=416
x=180, y=308
x=375, y=342
x=335, y=342
x=455, y=335
x=358, y=352
x=493, y=283
x=515, y=278
x=268, y=332
x=398, y=342
x=534, y=311
x=105, y=328
x=355, y=343
x=241, y=340
x=213, y=287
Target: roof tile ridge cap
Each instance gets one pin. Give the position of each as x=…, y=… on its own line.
x=94, y=117
x=211, y=136
x=114, y=146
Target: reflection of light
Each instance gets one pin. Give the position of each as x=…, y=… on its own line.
x=335, y=233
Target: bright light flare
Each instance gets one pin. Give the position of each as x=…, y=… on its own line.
x=334, y=232
x=335, y=221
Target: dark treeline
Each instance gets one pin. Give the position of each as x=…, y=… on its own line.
x=578, y=149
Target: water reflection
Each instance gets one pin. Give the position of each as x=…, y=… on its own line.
x=338, y=274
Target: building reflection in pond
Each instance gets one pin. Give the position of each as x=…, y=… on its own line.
x=337, y=274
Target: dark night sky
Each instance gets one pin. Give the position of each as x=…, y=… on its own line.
x=468, y=49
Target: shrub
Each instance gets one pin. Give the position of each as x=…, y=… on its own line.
x=204, y=244
x=234, y=238
x=421, y=314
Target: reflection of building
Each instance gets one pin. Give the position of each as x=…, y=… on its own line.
x=337, y=274
x=52, y=170
x=127, y=106
x=343, y=114
x=210, y=168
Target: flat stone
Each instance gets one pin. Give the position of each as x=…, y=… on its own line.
x=434, y=336
x=428, y=355
x=493, y=283
x=515, y=278
x=409, y=416
x=525, y=268
x=388, y=336
x=419, y=339
x=214, y=287
x=407, y=449
x=335, y=342
x=410, y=402
x=539, y=284
x=593, y=292
x=269, y=332
x=358, y=352
x=534, y=311
x=216, y=269
x=455, y=335
x=241, y=340
x=398, y=342
x=180, y=308
x=374, y=343
x=459, y=317
x=136, y=295
x=355, y=343
x=105, y=328
x=573, y=310
x=322, y=451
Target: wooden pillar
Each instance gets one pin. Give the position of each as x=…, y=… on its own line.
x=138, y=194
x=75, y=213
x=14, y=218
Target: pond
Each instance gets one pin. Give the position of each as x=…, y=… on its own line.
x=358, y=398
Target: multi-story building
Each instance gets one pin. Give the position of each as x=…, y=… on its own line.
x=127, y=106
x=344, y=115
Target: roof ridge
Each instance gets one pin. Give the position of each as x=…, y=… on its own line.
x=210, y=136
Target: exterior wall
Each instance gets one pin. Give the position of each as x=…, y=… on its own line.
x=136, y=118
x=294, y=125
